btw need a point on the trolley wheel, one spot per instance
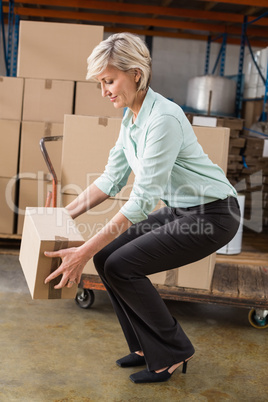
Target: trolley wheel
(259, 322)
(85, 298)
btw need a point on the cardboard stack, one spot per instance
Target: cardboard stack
(51, 59)
(11, 92)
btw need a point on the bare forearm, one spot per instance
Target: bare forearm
(88, 199)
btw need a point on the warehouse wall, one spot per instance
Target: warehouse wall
(175, 61)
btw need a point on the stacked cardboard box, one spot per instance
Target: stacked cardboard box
(51, 58)
(236, 142)
(11, 92)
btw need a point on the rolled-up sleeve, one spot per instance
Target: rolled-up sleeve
(162, 143)
(116, 172)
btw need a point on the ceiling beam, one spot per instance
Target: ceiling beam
(145, 9)
(182, 35)
(128, 20)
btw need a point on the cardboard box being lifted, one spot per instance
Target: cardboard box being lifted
(46, 229)
(54, 50)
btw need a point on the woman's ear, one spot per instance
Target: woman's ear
(137, 74)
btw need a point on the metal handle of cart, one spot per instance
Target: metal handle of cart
(50, 196)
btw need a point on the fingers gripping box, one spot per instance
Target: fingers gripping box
(46, 229)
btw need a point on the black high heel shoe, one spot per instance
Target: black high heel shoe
(146, 376)
(131, 360)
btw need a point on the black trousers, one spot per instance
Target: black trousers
(169, 238)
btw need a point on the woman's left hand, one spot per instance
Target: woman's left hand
(71, 268)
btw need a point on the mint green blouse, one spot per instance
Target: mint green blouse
(169, 164)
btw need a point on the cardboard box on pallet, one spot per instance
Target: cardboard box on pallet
(47, 100)
(89, 101)
(46, 229)
(215, 143)
(31, 158)
(9, 147)
(7, 202)
(87, 142)
(11, 92)
(52, 50)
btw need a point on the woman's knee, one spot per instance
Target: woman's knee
(118, 269)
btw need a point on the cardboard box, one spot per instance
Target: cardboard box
(215, 143)
(87, 142)
(31, 158)
(251, 111)
(32, 193)
(9, 147)
(47, 100)
(197, 275)
(90, 102)
(7, 202)
(54, 50)
(46, 229)
(11, 91)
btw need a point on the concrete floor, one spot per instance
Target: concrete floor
(55, 351)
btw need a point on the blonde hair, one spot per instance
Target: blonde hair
(125, 52)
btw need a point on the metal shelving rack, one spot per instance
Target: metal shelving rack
(221, 54)
(10, 44)
(244, 41)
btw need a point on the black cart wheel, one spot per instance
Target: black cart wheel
(85, 298)
(258, 318)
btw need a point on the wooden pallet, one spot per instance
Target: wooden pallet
(10, 244)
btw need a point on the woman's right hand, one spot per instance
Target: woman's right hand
(73, 262)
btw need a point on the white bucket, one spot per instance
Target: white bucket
(234, 246)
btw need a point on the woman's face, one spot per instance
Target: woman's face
(119, 86)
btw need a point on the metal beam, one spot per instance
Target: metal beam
(144, 9)
(162, 23)
(182, 35)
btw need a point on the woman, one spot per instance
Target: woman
(157, 142)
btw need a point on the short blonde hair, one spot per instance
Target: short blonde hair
(125, 52)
